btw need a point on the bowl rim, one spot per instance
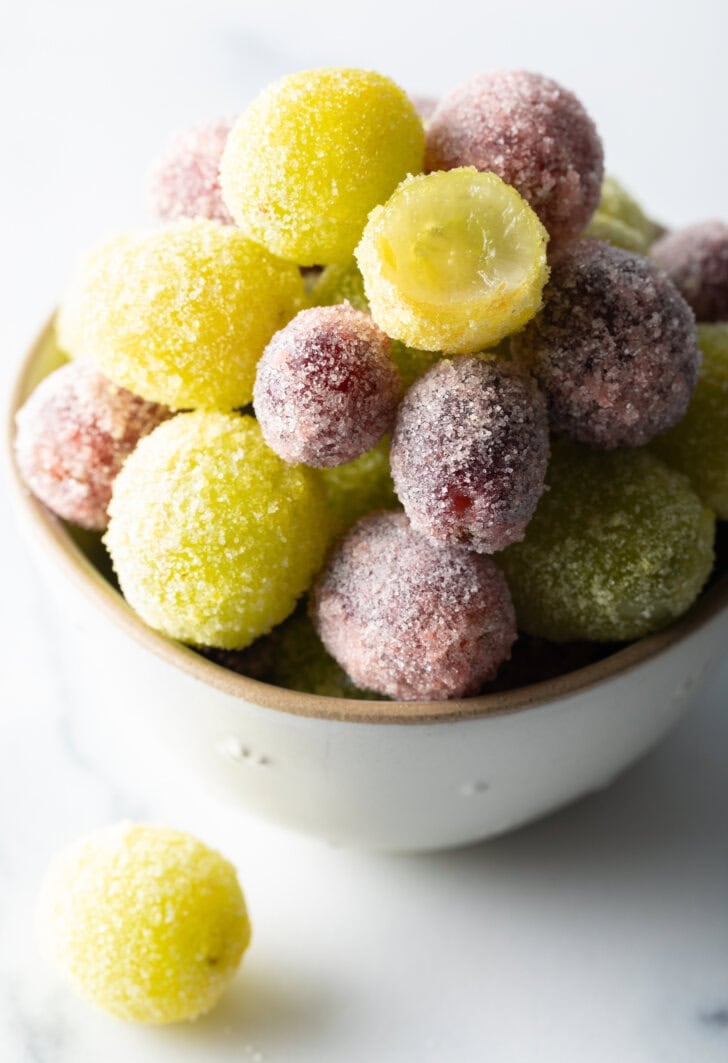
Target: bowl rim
(51, 534)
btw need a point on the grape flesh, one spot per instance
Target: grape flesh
(453, 262)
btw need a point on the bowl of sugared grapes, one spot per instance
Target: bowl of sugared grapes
(381, 476)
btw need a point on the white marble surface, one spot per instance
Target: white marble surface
(600, 934)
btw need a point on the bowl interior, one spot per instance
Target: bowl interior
(85, 562)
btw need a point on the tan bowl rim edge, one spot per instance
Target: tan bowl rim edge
(70, 559)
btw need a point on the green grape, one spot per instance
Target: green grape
(212, 535)
(359, 487)
(621, 221)
(300, 662)
(180, 315)
(311, 156)
(340, 283)
(453, 261)
(698, 445)
(146, 923)
(616, 232)
(620, 545)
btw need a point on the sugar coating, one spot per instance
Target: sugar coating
(293, 657)
(697, 444)
(311, 156)
(453, 261)
(620, 545)
(185, 180)
(469, 453)
(146, 923)
(181, 314)
(326, 389)
(411, 619)
(614, 347)
(617, 204)
(616, 232)
(530, 131)
(212, 535)
(342, 282)
(74, 434)
(696, 260)
(359, 487)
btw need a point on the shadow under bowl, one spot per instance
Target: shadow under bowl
(380, 774)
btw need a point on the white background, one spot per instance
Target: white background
(598, 935)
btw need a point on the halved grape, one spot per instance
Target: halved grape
(453, 261)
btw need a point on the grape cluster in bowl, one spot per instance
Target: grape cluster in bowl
(385, 389)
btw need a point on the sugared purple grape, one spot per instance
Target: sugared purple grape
(185, 179)
(326, 389)
(469, 453)
(614, 347)
(696, 260)
(411, 619)
(73, 435)
(530, 131)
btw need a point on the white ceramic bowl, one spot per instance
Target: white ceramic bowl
(384, 775)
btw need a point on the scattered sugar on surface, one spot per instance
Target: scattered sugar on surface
(411, 619)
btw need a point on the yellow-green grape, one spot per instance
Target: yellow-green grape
(311, 156)
(359, 487)
(698, 445)
(147, 923)
(454, 261)
(340, 283)
(300, 662)
(616, 232)
(620, 545)
(621, 221)
(343, 282)
(181, 314)
(212, 535)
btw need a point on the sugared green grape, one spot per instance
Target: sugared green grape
(616, 202)
(621, 221)
(311, 156)
(359, 487)
(453, 261)
(147, 923)
(616, 232)
(620, 545)
(212, 535)
(300, 662)
(181, 314)
(340, 283)
(698, 445)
